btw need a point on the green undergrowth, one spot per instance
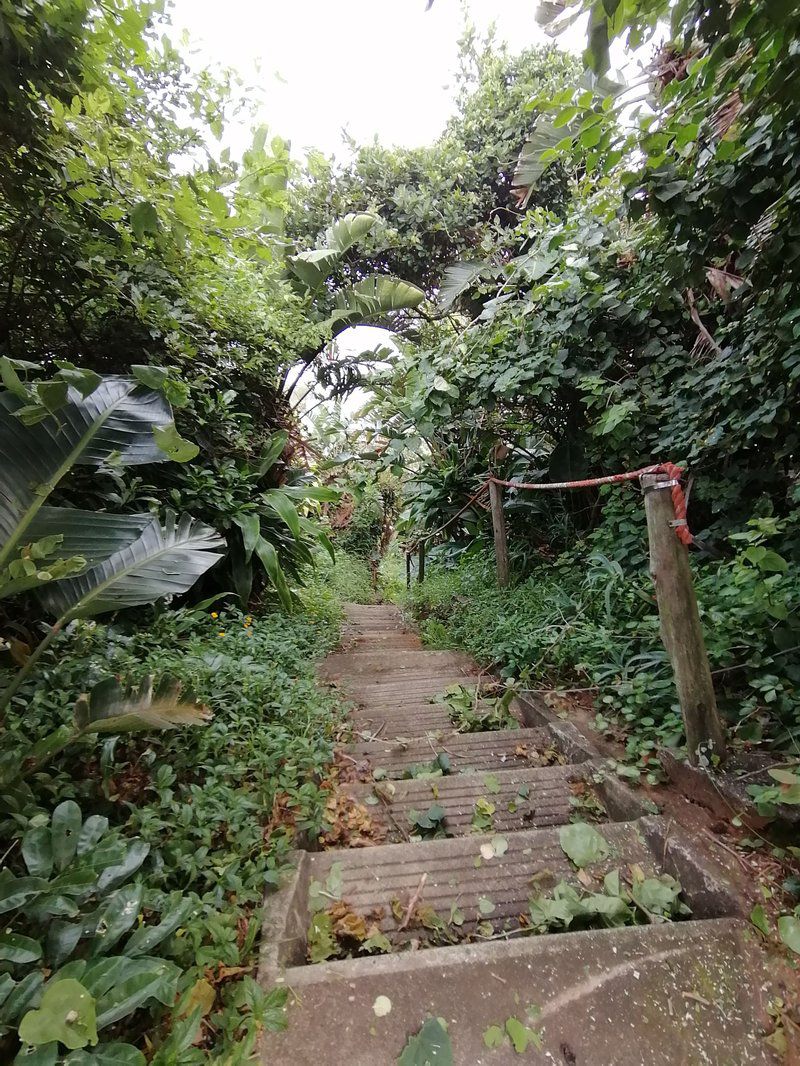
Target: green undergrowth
(348, 580)
(200, 822)
(587, 621)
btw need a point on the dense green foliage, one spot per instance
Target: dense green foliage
(648, 316)
(454, 198)
(210, 814)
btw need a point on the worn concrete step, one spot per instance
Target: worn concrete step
(491, 887)
(501, 801)
(666, 995)
(495, 750)
(399, 718)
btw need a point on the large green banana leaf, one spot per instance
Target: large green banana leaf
(116, 419)
(79, 539)
(314, 266)
(160, 562)
(373, 297)
(347, 231)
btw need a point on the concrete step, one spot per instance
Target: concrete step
(397, 717)
(496, 750)
(519, 798)
(459, 872)
(688, 994)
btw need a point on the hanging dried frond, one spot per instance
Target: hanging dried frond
(704, 339)
(723, 282)
(725, 116)
(669, 65)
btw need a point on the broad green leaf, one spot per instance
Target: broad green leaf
(66, 1014)
(19, 949)
(154, 377)
(15, 892)
(322, 944)
(112, 707)
(521, 1035)
(85, 381)
(273, 451)
(347, 231)
(494, 1036)
(22, 997)
(143, 940)
(280, 503)
(758, 916)
(373, 297)
(115, 917)
(135, 853)
(44, 1055)
(144, 219)
(65, 827)
(250, 525)
(582, 844)
(117, 418)
(459, 278)
(163, 561)
(530, 165)
(269, 559)
(313, 267)
(92, 831)
(145, 979)
(37, 851)
(429, 1047)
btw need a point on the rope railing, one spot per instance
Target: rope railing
(673, 472)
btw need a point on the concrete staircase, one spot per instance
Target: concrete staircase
(455, 907)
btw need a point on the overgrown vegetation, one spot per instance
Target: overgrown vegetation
(605, 285)
(159, 907)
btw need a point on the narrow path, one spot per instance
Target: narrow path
(439, 841)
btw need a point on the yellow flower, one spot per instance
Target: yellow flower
(214, 614)
(221, 633)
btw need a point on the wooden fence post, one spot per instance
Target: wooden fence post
(681, 631)
(421, 566)
(408, 570)
(499, 528)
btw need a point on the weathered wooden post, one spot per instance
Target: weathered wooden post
(421, 563)
(681, 631)
(408, 570)
(499, 529)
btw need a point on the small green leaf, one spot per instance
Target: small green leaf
(172, 444)
(582, 844)
(485, 906)
(758, 916)
(429, 1047)
(321, 941)
(154, 377)
(789, 932)
(494, 1036)
(521, 1035)
(491, 784)
(144, 219)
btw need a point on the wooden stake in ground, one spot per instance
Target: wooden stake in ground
(421, 566)
(681, 631)
(408, 570)
(499, 528)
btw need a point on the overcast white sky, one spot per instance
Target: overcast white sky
(373, 66)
